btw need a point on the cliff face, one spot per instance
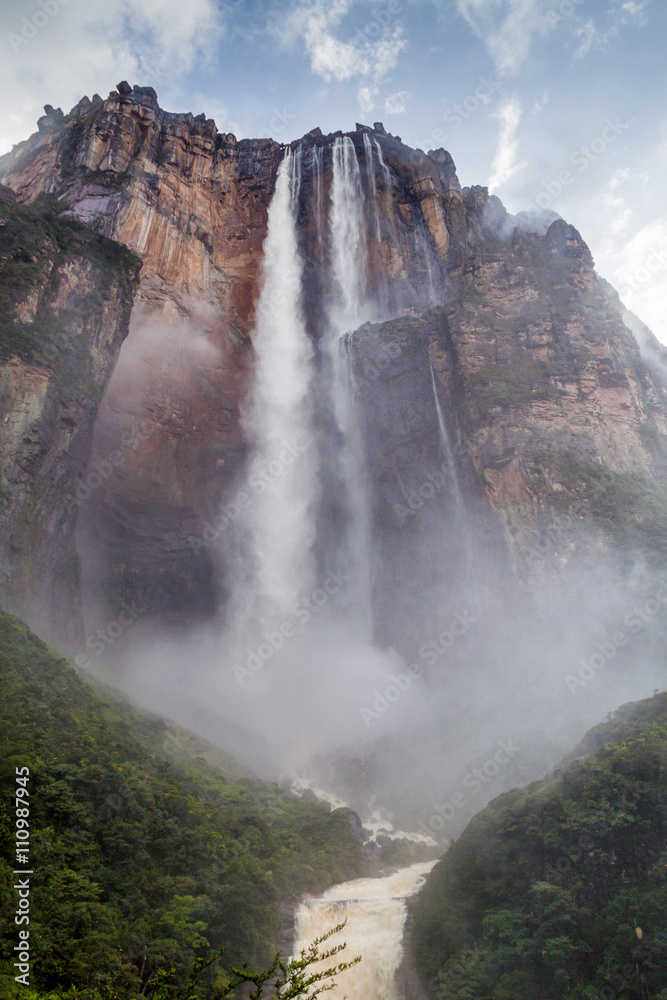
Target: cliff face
(65, 301)
(540, 385)
(546, 402)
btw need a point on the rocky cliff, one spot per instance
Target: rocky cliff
(546, 404)
(65, 301)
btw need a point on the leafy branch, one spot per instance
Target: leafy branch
(284, 980)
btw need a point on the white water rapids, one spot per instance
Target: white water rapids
(375, 910)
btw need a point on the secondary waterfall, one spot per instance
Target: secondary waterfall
(372, 186)
(463, 531)
(375, 911)
(278, 419)
(448, 461)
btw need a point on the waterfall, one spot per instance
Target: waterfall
(375, 911)
(386, 180)
(349, 309)
(316, 168)
(348, 236)
(462, 524)
(372, 186)
(448, 461)
(424, 253)
(278, 419)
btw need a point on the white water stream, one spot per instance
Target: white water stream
(278, 421)
(375, 911)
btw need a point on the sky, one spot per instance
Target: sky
(555, 104)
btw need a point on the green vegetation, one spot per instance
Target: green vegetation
(558, 891)
(631, 507)
(36, 242)
(144, 859)
(521, 381)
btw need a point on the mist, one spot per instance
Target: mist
(469, 677)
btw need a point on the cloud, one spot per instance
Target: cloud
(507, 27)
(620, 15)
(55, 53)
(504, 162)
(397, 104)
(371, 53)
(366, 96)
(640, 271)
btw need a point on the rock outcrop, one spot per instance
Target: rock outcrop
(65, 301)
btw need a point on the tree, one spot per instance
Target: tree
(284, 981)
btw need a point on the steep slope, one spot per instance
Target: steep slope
(65, 301)
(559, 890)
(148, 846)
(556, 422)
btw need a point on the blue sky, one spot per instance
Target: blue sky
(554, 102)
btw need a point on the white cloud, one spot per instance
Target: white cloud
(640, 273)
(397, 104)
(55, 54)
(366, 96)
(507, 27)
(620, 15)
(504, 162)
(368, 54)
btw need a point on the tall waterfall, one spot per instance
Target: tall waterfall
(375, 911)
(278, 419)
(349, 308)
(372, 186)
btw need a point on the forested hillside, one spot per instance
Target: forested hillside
(143, 859)
(558, 891)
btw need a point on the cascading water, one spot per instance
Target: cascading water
(350, 307)
(372, 186)
(386, 179)
(463, 532)
(449, 463)
(316, 168)
(348, 238)
(278, 422)
(375, 911)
